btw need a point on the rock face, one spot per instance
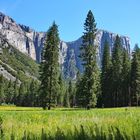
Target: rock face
(71, 50)
(6, 74)
(23, 38)
(31, 43)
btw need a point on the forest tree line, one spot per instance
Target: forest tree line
(115, 83)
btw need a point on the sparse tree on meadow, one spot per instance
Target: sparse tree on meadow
(49, 70)
(90, 78)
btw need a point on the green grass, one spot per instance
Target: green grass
(34, 123)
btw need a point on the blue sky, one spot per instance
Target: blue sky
(118, 16)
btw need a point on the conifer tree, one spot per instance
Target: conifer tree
(116, 72)
(21, 94)
(126, 66)
(2, 96)
(49, 69)
(9, 92)
(78, 86)
(135, 76)
(15, 91)
(90, 77)
(62, 91)
(71, 93)
(105, 76)
(67, 99)
(32, 94)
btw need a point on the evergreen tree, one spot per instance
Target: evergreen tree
(50, 68)
(9, 93)
(79, 97)
(90, 77)
(62, 91)
(67, 99)
(125, 79)
(15, 91)
(116, 72)
(71, 94)
(21, 94)
(135, 76)
(2, 95)
(105, 76)
(32, 93)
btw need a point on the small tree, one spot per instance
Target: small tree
(21, 94)
(2, 95)
(66, 99)
(61, 92)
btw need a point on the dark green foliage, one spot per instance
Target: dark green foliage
(117, 61)
(21, 94)
(16, 90)
(49, 70)
(115, 77)
(66, 99)
(106, 76)
(10, 91)
(32, 94)
(71, 94)
(126, 68)
(135, 76)
(2, 93)
(78, 88)
(90, 78)
(61, 91)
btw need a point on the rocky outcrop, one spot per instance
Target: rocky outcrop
(31, 43)
(71, 61)
(6, 74)
(22, 37)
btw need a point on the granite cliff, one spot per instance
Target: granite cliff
(30, 42)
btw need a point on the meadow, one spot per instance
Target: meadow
(22, 123)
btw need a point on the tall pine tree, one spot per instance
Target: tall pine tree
(90, 77)
(116, 72)
(50, 68)
(135, 76)
(106, 76)
(126, 66)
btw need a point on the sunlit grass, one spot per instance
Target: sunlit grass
(18, 119)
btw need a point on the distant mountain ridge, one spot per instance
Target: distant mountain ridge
(30, 42)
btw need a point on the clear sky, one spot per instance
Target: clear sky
(118, 16)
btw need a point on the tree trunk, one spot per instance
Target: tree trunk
(49, 107)
(129, 98)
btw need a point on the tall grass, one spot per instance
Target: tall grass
(69, 124)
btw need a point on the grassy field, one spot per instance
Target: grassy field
(35, 124)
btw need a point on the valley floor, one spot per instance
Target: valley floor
(63, 123)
